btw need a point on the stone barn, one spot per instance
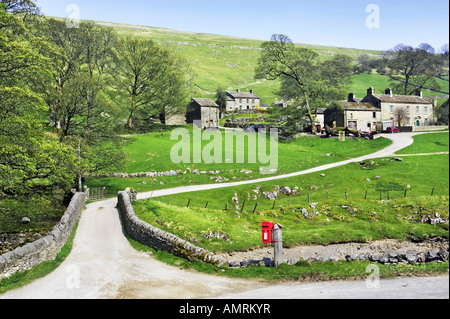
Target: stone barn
(204, 110)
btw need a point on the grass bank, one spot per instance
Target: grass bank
(151, 152)
(428, 143)
(381, 178)
(332, 221)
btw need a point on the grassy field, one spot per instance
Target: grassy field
(151, 152)
(421, 173)
(363, 219)
(428, 143)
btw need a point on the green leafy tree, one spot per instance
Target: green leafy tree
(307, 80)
(77, 93)
(221, 98)
(150, 78)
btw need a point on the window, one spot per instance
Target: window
(426, 109)
(408, 109)
(374, 115)
(392, 109)
(351, 115)
(417, 109)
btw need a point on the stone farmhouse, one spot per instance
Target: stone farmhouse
(379, 111)
(242, 101)
(204, 110)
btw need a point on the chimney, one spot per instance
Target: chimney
(351, 97)
(419, 93)
(370, 91)
(238, 91)
(388, 91)
(251, 91)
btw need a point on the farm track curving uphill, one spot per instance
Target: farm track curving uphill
(103, 265)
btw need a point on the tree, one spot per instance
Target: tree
(364, 62)
(305, 78)
(221, 98)
(413, 68)
(20, 7)
(78, 94)
(150, 78)
(401, 115)
(32, 162)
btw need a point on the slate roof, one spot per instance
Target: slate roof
(241, 95)
(205, 102)
(400, 99)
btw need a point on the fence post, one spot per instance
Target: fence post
(243, 204)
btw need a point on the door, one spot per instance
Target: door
(352, 125)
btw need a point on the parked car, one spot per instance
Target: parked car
(309, 128)
(255, 128)
(366, 131)
(393, 129)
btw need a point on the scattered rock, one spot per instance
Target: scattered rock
(286, 190)
(444, 254)
(270, 195)
(432, 255)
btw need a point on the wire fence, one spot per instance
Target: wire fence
(249, 204)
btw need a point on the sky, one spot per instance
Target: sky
(361, 24)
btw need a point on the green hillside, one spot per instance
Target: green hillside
(221, 61)
(229, 62)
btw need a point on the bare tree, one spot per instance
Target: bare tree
(401, 116)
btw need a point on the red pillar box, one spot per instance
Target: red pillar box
(267, 232)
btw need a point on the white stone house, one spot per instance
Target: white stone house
(409, 110)
(379, 111)
(242, 101)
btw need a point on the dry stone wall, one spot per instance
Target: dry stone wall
(157, 238)
(46, 248)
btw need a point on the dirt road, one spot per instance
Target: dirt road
(103, 265)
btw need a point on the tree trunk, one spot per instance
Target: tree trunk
(130, 120)
(133, 108)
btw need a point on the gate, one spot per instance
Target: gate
(97, 193)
